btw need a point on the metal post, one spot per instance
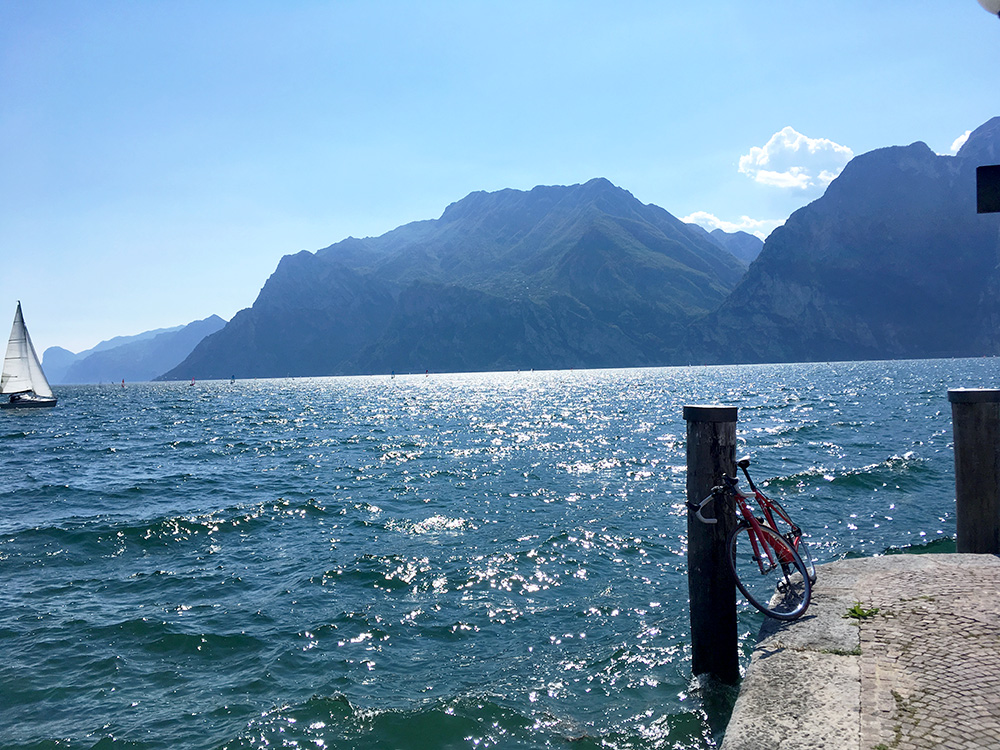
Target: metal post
(975, 416)
(711, 452)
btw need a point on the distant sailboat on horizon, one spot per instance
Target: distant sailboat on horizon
(23, 379)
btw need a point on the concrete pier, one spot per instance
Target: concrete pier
(922, 672)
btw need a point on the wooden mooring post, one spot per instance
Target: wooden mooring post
(975, 416)
(711, 452)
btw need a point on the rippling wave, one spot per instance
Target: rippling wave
(459, 561)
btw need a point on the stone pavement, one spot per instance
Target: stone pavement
(922, 672)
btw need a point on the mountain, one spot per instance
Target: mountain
(746, 247)
(134, 358)
(56, 361)
(577, 276)
(891, 262)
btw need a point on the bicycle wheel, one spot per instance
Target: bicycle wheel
(769, 572)
(782, 523)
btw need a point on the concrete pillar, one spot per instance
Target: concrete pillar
(975, 416)
(711, 452)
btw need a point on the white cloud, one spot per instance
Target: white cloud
(960, 141)
(758, 227)
(792, 160)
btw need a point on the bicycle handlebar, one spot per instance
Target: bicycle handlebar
(729, 485)
(696, 508)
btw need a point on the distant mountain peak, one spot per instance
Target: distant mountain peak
(481, 200)
(599, 185)
(607, 194)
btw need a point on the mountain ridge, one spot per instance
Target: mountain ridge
(562, 254)
(134, 358)
(891, 261)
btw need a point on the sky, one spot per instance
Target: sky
(157, 159)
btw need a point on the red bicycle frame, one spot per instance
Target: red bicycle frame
(744, 510)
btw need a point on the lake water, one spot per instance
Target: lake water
(442, 561)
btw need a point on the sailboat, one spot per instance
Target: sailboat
(23, 379)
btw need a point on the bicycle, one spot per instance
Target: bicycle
(767, 566)
(778, 519)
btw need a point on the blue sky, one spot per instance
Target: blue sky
(158, 158)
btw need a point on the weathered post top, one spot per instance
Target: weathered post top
(974, 395)
(709, 413)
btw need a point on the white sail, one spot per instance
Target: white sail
(21, 369)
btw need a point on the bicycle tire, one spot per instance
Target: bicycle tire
(783, 589)
(782, 523)
(802, 548)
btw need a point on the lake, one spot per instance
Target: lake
(419, 561)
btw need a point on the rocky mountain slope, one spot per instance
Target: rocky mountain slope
(891, 262)
(579, 276)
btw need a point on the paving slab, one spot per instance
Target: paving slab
(921, 672)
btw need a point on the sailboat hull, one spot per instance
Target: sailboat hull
(29, 402)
